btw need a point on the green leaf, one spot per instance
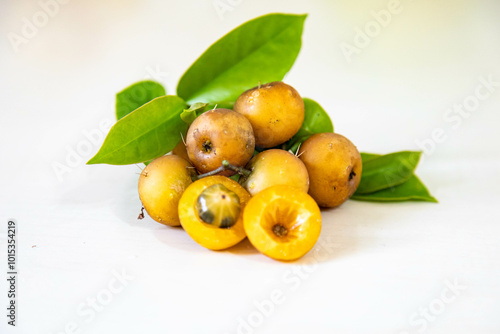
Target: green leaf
(387, 171)
(221, 104)
(146, 133)
(136, 95)
(263, 49)
(190, 114)
(411, 190)
(368, 156)
(316, 120)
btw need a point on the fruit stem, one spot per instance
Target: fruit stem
(240, 170)
(225, 166)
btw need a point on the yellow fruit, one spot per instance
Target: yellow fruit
(282, 222)
(180, 150)
(217, 135)
(273, 167)
(210, 235)
(334, 167)
(275, 110)
(161, 185)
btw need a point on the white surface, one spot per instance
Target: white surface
(377, 264)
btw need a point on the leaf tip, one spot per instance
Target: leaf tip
(433, 199)
(96, 159)
(91, 161)
(302, 18)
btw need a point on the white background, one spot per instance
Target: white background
(377, 267)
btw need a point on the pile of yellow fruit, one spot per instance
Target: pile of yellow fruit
(276, 201)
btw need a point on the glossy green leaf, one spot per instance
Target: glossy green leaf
(137, 95)
(146, 133)
(261, 50)
(387, 171)
(221, 104)
(368, 156)
(190, 114)
(316, 120)
(411, 190)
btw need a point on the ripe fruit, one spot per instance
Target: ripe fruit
(217, 135)
(180, 150)
(275, 110)
(273, 167)
(216, 209)
(334, 167)
(282, 222)
(161, 185)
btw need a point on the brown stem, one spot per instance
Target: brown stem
(225, 166)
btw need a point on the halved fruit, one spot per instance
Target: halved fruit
(211, 212)
(282, 222)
